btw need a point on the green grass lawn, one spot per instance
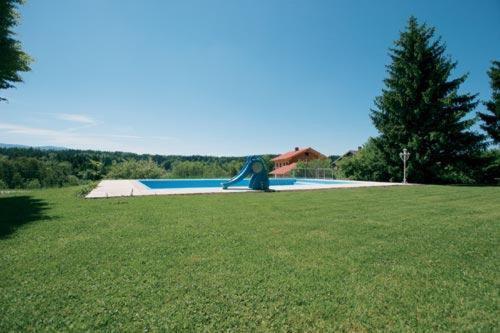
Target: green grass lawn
(418, 258)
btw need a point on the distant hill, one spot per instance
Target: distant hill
(9, 145)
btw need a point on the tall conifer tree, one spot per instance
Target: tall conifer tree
(491, 118)
(422, 110)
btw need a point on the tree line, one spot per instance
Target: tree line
(35, 168)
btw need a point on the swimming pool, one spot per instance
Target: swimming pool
(210, 183)
(137, 187)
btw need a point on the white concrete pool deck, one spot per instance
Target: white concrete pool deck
(131, 187)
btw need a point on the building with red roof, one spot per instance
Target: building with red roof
(285, 163)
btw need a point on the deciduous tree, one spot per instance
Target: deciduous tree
(13, 59)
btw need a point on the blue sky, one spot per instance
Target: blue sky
(223, 77)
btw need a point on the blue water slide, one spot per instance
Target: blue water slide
(255, 167)
(244, 172)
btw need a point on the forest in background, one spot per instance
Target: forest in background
(37, 168)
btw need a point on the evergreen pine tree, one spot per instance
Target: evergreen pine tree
(491, 118)
(421, 109)
(12, 58)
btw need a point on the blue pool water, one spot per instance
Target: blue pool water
(197, 183)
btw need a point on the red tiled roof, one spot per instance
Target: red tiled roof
(284, 169)
(289, 154)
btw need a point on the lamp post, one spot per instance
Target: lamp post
(405, 155)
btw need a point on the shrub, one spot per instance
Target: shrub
(32, 184)
(490, 172)
(85, 189)
(131, 169)
(367, 164)
(73, 180)
(197, 169)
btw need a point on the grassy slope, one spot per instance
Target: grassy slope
(417, 258)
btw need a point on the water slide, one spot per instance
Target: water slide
(255, 167)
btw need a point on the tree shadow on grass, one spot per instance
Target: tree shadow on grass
(19, 210)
